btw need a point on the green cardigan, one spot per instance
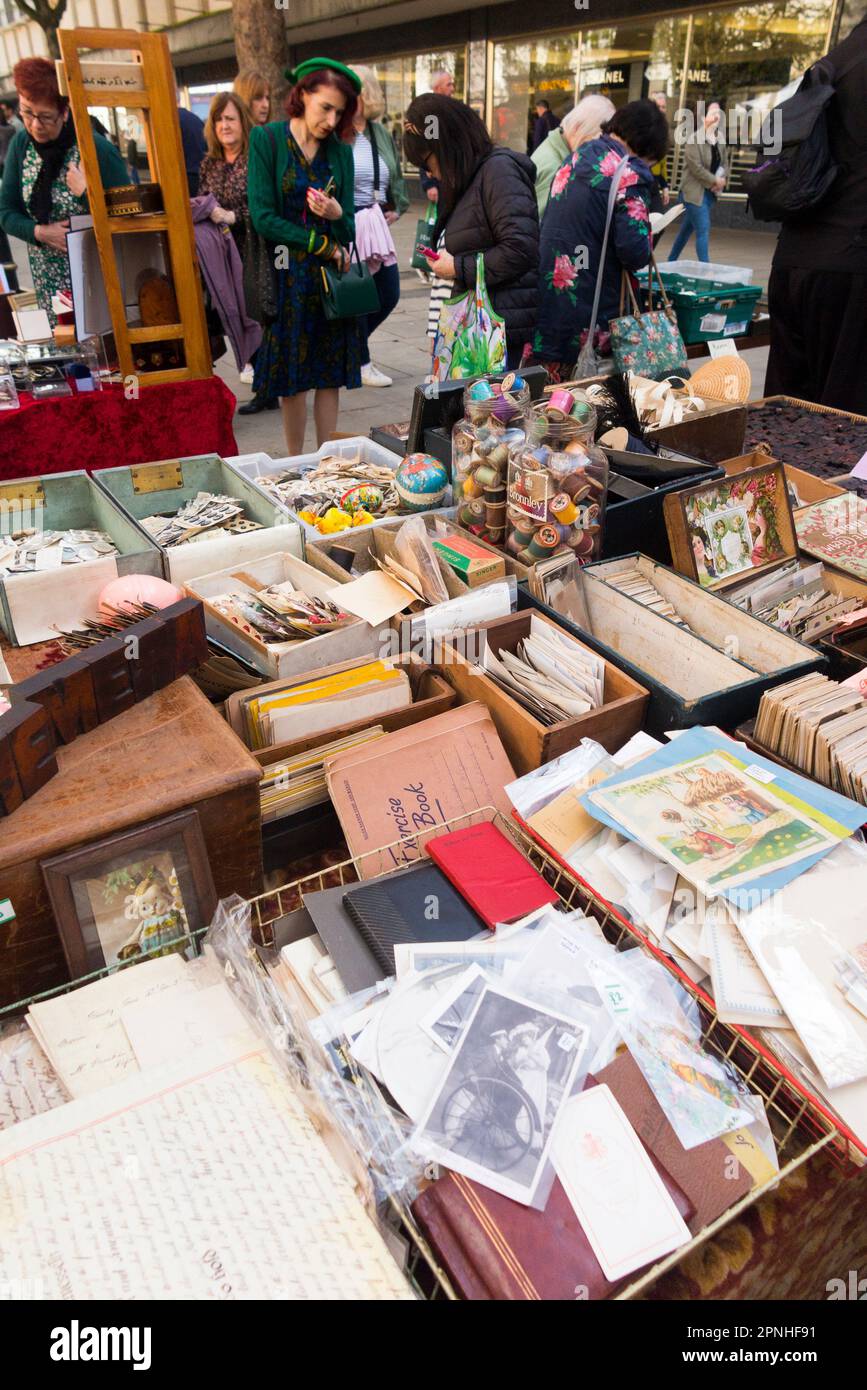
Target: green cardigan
(547, 159)
(267, 162)
(396, 181)
(14, 216)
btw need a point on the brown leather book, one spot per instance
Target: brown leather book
(495, 1249)
(712, 1181)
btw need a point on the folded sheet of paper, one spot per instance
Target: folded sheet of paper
(82, 1033)
(169, 1026)
(187, 1219)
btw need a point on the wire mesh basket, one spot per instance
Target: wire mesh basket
(801, 1126)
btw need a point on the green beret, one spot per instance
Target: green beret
(309, 65)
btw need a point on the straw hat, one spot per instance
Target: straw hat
(724, 379)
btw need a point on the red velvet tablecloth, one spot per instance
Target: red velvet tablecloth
(102, 429)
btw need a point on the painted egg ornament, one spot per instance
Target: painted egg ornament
(362, 497)
(421, 482)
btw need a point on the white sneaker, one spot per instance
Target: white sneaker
(372, 376)
(246, 377)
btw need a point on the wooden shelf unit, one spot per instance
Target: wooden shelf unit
(157, 102)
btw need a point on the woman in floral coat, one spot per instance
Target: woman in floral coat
(574, 226)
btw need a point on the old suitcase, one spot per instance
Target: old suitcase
(170, 753)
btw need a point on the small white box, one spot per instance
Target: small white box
(277, 660)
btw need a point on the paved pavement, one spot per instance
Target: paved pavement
(401, 347)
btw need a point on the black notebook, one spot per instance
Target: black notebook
(417, 906)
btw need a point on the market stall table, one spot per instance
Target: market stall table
(103, 429)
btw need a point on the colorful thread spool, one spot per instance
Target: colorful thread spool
(560, 401)
(564, 509)
(472, 513)
(481, 391)
(524, 531)
(486, 475)
(545, 540)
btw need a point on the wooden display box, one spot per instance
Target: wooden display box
(172, 752)
(714, 434)
(29, 607)
(693, 515)
(690, 677)
(807, 487)
(280, 659)
(157, 489)
(430, 695)
(528, 742)
(379, 540)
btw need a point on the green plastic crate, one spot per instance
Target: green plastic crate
(709, 309)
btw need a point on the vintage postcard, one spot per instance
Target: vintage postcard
(716, 824)
(836, 531)
(616, 1192)
(492, 1116)
(735, 526)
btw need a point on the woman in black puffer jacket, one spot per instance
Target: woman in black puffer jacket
(486, 203)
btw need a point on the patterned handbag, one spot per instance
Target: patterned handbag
(648, 344)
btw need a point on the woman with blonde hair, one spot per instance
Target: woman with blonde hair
(584, 122)
(380, 199)
(254, 89)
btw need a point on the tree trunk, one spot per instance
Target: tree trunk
(260, 41)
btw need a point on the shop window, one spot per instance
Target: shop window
(523, 72)
(745, 58)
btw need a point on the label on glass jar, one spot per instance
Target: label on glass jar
(530, 490)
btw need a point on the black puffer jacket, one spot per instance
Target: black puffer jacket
(498, 215)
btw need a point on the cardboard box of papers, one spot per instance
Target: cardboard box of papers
(172, 752)
(279, 658)
(430, 695)
(702, 660)
(59, 592)
(149, 490)
(530, 737)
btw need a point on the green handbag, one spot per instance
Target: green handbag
(348, 294)
(424, 237)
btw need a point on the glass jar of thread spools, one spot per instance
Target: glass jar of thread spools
(558, 483)
(495, 418)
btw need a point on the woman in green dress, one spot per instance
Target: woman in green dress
(300, 191)
(43, 184)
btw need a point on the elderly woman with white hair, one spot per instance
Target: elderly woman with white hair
(582, 123)
(380, 199)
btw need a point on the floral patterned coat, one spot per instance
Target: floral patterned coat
(571, 243)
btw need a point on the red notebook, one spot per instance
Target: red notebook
(490, 873)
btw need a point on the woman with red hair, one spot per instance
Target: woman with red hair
(300, 190)
(43, 185)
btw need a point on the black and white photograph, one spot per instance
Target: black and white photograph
(450, 1015)
(494, 1112)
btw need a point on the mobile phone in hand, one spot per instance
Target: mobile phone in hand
(428, 254)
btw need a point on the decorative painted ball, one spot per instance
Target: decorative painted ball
(363, 497)
(421, 482)
(138, 588)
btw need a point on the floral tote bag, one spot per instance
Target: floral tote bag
(471, 338)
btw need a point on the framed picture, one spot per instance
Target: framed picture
(138, 893)
(724, 532)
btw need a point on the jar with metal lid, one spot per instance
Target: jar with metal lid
(494, 422)
(558, 483)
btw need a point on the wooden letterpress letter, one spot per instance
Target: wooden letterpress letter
(111, 674)
(187, 619)
(32, 741)
(11, 793)
(150, 650)
(65, 691)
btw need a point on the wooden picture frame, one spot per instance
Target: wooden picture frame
(732, 529)
(99, 891)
